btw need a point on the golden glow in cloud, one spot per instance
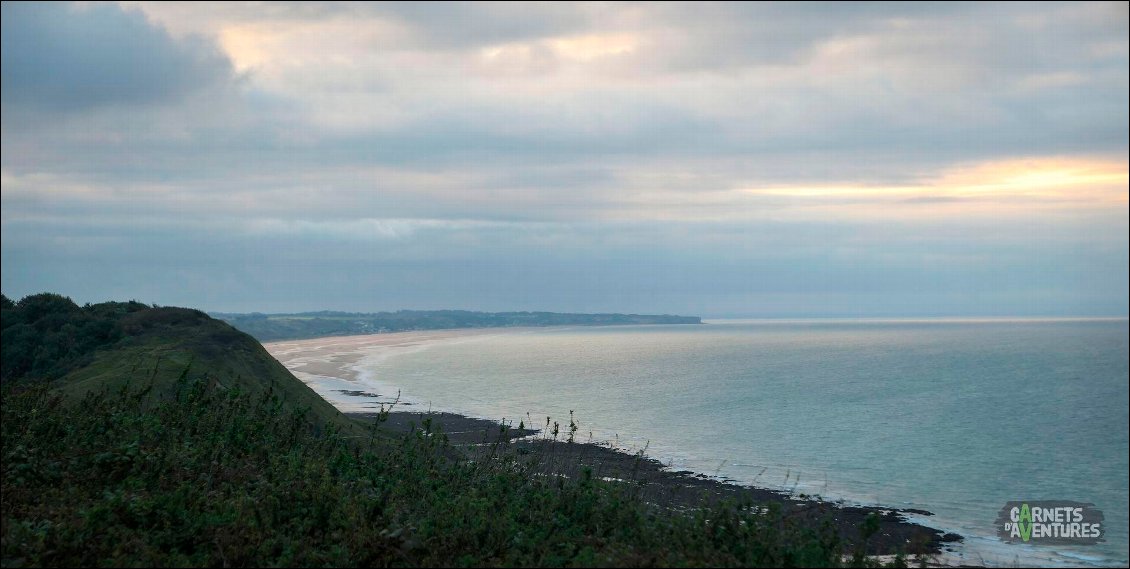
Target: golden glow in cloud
(1085, 182)
(340, 44)
(244, 46)
(990, 190)
(580, 49)
(589, 47)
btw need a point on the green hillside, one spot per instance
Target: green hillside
(86, 349)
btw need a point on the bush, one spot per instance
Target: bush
(218, 478)
(46, 335)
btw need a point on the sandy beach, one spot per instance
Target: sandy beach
(335, 356)
(330, 365)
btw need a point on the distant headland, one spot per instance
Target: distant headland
(268, 327)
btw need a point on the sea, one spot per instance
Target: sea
(953, 416)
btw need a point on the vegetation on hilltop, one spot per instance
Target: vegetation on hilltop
(82, 349)
(47, 335)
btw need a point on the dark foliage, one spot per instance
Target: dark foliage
(46, 335)
(216, 477)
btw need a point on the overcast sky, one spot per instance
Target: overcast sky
(716, 160)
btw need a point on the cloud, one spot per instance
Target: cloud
(461, 25)
(62, 57)
(985, 266)
(669, 153)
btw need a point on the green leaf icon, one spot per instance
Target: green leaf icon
(1025, 522)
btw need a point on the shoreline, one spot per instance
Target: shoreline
(678, 489)
(329, 364)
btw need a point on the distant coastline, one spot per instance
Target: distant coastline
(306, 325)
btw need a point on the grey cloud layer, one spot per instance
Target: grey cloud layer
(65, 58)
(489, 137)
(892, 100)
(773, 270)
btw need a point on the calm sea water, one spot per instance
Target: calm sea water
(952, 416)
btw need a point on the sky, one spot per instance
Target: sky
(747, 160)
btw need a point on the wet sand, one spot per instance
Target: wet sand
(328, 366)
